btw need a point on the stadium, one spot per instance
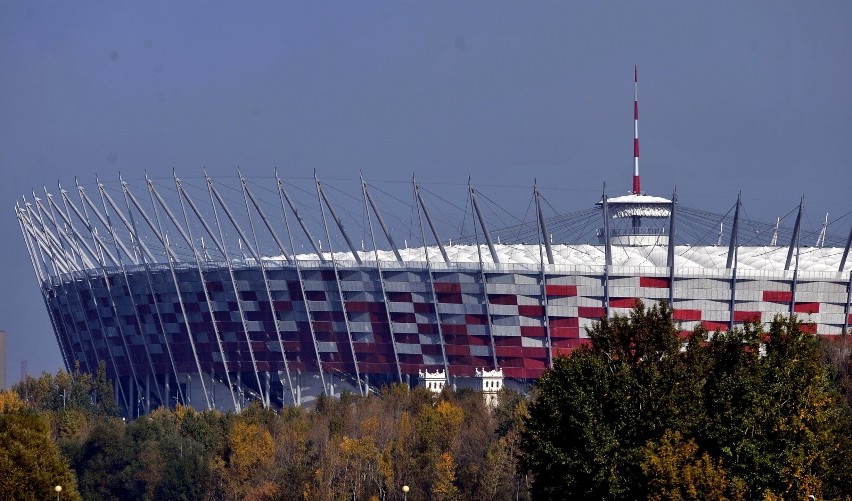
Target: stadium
(216, 294)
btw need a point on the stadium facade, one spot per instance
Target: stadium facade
(178, 320)
(188, 299)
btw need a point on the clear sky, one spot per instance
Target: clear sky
(733, 95)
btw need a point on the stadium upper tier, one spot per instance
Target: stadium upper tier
(213, 294)
(822, 259)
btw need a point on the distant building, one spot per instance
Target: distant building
(2, 360)
(433, 381)
(491, 382)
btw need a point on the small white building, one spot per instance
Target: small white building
(490, 384)
(433, 381)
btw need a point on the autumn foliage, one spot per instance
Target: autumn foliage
(444, 447)
(761, 412)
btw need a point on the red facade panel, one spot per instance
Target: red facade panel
(451, 330)
(449, 297)
(471, 319)
(807, 308)
(414, 367)
(431, 349)
(424, 308)
(778, 296)
(533, 331)
(564, 332)
(365, 306)
(563, 351)
(686, 315)
(282, 305)
(507, 341)
(399, 297)
(514, 372)
(810, 328)
(403, 318)
(503, 299)
(479, 340)
(447, 287)
(746, 316)
(505, 362)
(655, 282)
(714, 326)
(623, 302)
(468, 369)
(532, 353)
(509, 351)
(427, 329)
(407, 338)
(561, 290)
(455, 350)
(564, 322)
(591, 312)
(531, 310)
(378, 368)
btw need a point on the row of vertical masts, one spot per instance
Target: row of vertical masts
(63, 252)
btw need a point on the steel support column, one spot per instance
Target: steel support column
(132, 299)
(154, 194)
(435, 303)
(670, 261)
(321, 196)
(607, 250)
(421, 205)
(212, 190)
(385, 302)
(261, 263)
(282, 195)
(156, 304)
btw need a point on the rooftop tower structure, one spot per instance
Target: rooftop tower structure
(637, 205)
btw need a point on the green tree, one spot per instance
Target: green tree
(760, 406)
(105, 463)
(30, 463)
(103, 393)
(596, 409)
(774, 414)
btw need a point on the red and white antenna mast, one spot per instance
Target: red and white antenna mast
(636, 188)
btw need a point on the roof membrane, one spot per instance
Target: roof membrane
(765, 258)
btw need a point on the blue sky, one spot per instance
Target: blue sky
(746, 95)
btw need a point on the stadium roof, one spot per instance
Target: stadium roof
(764, 258)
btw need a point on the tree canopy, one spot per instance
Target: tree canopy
(643, 412)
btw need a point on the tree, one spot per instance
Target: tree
(596, 409)
(104, 465)
(758, 405)
(676, 472)
(774, 414)
(30, 461)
